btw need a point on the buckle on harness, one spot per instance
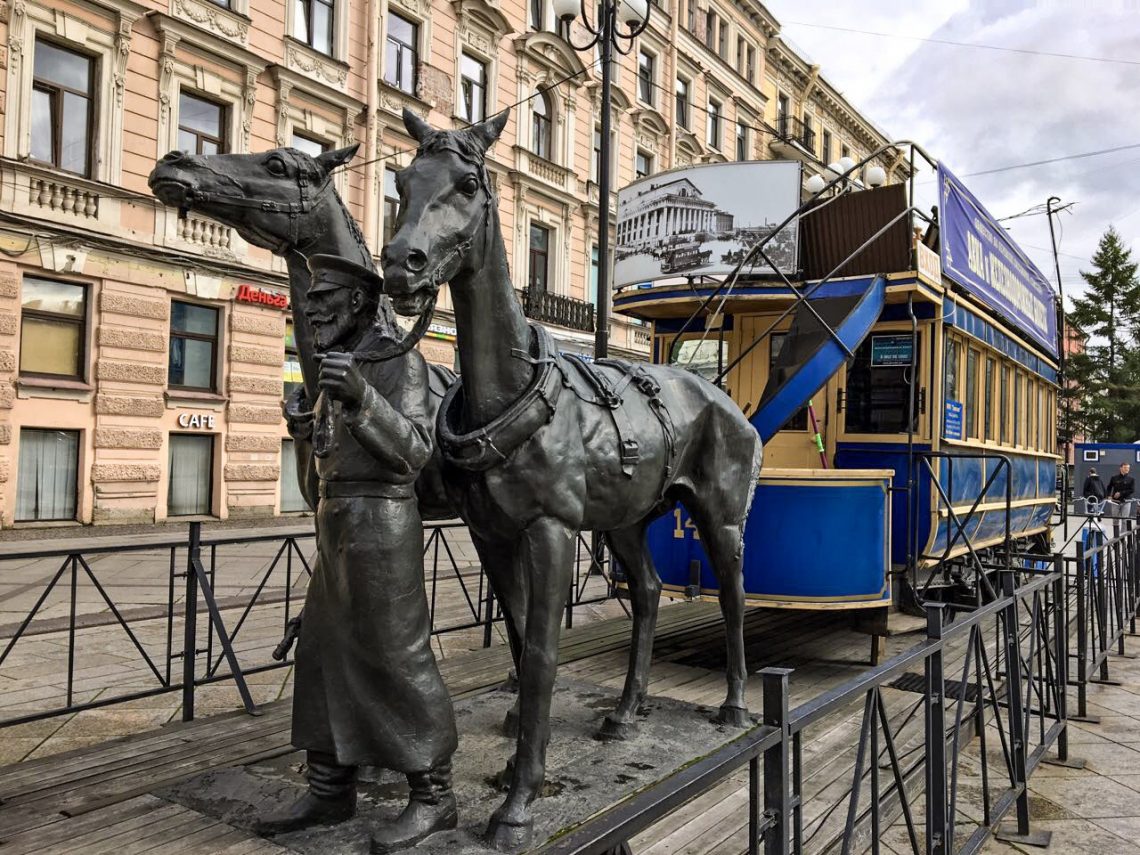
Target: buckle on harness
(645, 384)
(630, 452)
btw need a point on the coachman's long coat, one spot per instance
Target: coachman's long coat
(368, 689)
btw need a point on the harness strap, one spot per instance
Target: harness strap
(492, 444)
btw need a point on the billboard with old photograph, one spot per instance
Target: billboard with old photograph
(701, 220)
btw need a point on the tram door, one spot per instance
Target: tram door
(794, 446)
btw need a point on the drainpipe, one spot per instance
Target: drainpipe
(371, 146)
(670, 92)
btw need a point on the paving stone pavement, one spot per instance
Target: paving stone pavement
(139, 583)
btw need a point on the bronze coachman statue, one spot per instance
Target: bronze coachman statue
(368, 689)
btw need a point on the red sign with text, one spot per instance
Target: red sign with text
(261, 297)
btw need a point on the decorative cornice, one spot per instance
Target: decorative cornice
(315, 65)
(213, 18)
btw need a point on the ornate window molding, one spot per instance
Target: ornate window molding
(544, 61)
(392, 99)
(311, 56)
(314, 65)
(231, 24)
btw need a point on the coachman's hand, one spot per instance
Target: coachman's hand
(341, 380)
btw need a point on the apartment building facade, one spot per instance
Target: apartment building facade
(144, 354)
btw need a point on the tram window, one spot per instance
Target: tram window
(776, 343)
(951, 370)
(1030, 412)
(988, 412)
(1017, 408)
(970, 405)
(1041, 395)
(1003, 406)
(705, 358)
(878, 394)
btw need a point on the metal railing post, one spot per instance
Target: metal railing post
(777, 772)
(190, 616)
(934, 702)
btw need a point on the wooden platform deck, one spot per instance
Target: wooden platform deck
(101, 799)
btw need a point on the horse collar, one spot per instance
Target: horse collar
(492, 444)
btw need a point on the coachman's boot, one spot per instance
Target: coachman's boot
(431, 808)
(331, 798)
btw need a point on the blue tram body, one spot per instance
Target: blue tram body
(935, 413)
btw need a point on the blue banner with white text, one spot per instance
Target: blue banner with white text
(979, 255)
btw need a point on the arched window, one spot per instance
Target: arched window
(540, 124)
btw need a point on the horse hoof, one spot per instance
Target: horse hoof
(615, 730)
(733, 716)
(511, 724)
(509, 836)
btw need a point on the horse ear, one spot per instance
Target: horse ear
(488, 131)
(417, 127)
(330, 160)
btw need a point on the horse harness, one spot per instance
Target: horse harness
(487, 447)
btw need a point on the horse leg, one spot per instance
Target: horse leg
(498, 559)
(546, 556)
(628, 545)
(724, 544)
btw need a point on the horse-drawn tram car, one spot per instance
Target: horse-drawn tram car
(900, 369)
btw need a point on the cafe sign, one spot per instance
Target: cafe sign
(200, 421)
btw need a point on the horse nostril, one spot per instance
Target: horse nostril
(173, 156)
(416, 261)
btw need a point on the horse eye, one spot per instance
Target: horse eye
(276, 166)
(469, 185)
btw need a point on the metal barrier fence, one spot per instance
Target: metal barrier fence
(1011, 693)
(221, 646)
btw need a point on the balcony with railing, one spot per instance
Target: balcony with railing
(558, 309)
(793, 138)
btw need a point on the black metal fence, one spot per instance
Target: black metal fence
(1003, 711)
(197, 637)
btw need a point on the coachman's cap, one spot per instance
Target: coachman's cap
(330, 272)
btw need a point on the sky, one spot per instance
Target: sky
(977, 109)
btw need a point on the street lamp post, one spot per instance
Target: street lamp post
(618, 23)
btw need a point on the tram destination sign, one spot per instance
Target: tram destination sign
(979, 255)
(702, 220)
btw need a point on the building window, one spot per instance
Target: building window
(682, 117)
(740, 54)
(201, 125)
(62, 114)
(400, 63)
(593, 295)
(193, 346)
(313, 24)
(741, 141)
(750, 65)
(722, 40)
(291, 372)
(292, 499)
(809, 134)
(643, 165)
(391, 204)
(596, 154)
(825, 151)
(473, 88)
(53, 328)
(844, 151)
(191, 474)
(308, 145)
(47, 480)
(782, 109)
(714, 124)
(540, 124)
(691, 19)
(645, 76)
(710, 29)
(538, 274)
(537, 14)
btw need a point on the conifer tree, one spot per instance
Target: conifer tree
(1105, 375)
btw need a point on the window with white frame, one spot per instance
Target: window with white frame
(541, 128)
(825, 146)
(402, 53)
(191, 471)
(63, 114)
(646, 76)
(472, 88)
(53, 329)
(538, 259)
(313, 24)
(742, 151)
(714, 116)
(536, 11)
(292, 500)
(311, 146)
(682, 110)
(643, 164)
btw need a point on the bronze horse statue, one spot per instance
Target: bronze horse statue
(284, 201)
(538, 447)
